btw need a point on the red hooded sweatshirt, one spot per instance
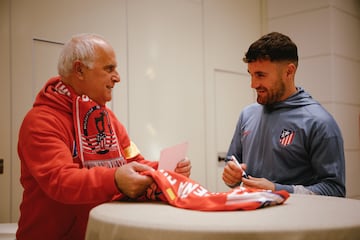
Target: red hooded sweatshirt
(58, 191)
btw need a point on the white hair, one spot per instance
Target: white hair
(80, 48)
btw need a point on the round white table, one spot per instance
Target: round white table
(300, 217)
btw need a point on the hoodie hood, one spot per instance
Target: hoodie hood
(53, 96)
(299, 99)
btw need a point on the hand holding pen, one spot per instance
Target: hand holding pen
(244, 174)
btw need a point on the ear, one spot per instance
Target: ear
(291, 69)
(78, 69)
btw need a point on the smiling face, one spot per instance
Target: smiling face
(98, 81)
(273, 81)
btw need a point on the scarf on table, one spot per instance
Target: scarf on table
(96, 143)
(180, 191)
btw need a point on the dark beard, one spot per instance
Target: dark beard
(274, 96)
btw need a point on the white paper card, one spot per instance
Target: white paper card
(169, 157)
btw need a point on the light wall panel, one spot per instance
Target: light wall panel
(309, 30)
(313, 74)
(282, 8)
(166, 98)
(345, 36)
(230, 26)
(5, 100)
(346, 81)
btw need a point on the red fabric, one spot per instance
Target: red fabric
(182, 192)
(58, 191)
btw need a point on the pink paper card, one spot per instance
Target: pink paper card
(169, 157)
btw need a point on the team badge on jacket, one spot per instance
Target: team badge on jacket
(286, 137)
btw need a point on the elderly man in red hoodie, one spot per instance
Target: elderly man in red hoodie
(74, 152)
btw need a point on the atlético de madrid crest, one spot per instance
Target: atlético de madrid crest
(286, 137)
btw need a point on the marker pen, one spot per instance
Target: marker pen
(244, 174)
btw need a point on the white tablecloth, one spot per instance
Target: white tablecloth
(301, 217)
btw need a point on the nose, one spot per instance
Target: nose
(116, 77)
(254, 83)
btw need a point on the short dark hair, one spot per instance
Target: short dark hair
(275, 47)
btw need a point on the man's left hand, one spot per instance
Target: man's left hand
(184, 167)
(261, 183)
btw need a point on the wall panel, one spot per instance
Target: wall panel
(230, 26)
(166, 101)
(5, 126)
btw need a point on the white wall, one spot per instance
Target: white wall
(5, 123)
(327, 33)
(165, 59)
(227, 35)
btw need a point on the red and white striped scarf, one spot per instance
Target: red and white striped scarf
(96, 141)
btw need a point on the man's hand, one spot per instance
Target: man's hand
(129, 180)
(232, 174)
(261, 183)
(184, 167)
